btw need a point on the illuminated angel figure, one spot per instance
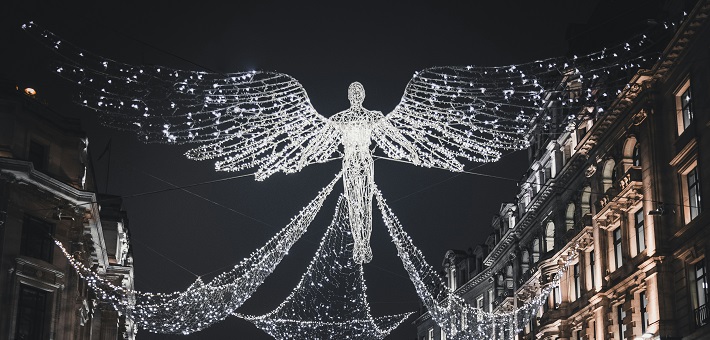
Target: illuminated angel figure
(265, 120)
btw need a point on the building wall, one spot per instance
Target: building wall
(588, 189)
(46, 189)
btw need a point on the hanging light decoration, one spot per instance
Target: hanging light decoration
(264, 120)
(330, 301)
(203, 303)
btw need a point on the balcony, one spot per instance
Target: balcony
(701, 315)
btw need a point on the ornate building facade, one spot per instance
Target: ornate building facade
(622, 195)
(47, 194)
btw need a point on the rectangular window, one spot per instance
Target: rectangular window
(640, 231)
(618, 260)
(38, 155)
(644, 312)
(490, 300)
(620, 316)
(430, 333)
(701, 294)
(556, 297)
(591, 268)
(577, 282)
(442, 335)
(578, 334)
(32, 314)
(693, 182)
(684, 107)
(36, 239)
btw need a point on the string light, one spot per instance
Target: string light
(203, 303)
(330, 301)
(458, 318)
(265, 120)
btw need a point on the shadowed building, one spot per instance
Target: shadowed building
(47, 194)
(626, 186)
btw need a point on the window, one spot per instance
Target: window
(620, 316)
(38, 155)
(577, 282)
(549, 236)
(693, 184)
(643, 301)
(636, 156)
(701, 293)
(32, 314)
(36, 239)
(578, 334)
(479, 305)
(569, 216)
(591, 268)
(684, 107)
(536, 250)
(443, 334)
(490, 300)
(618, 260)
(430, 333)
(640, 231)
(556, 297)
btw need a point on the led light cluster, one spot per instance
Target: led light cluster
(203, 303)
(265, 120)
(330, 301)
(458, 318)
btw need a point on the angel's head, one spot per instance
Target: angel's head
(356, 94)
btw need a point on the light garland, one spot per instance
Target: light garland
(203, 304)
(330, 301)
(265, 120)
(458, 318)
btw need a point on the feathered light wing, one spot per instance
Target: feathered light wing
(254, 119)
(451, 114)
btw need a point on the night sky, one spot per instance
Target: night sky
(177, 235)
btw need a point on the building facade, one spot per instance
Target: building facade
(47, 194)
(621, 194)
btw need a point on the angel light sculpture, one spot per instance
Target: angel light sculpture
(265, 120)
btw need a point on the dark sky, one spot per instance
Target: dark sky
(326, 46)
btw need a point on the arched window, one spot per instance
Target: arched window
(549, 236)
(608, 175)
(525, 261)
(569, 216)
(586, 200)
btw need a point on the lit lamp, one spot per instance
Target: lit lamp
(30, 91)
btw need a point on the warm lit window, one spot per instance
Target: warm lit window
(684, 107)
(36, 239)
(643, 301)
(32, 313)
(640, 231)
(618, 259)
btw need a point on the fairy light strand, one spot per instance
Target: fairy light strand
(330, 300)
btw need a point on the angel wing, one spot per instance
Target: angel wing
(450, 114)
(254, 119)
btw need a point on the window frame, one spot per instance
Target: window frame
(640, 230)
(617, 243)
(30, 237)
(684, 110)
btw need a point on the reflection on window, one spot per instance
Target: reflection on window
(694, 201)
(618, 260)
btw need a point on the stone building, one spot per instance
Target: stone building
(47, 194)
(626, 186)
